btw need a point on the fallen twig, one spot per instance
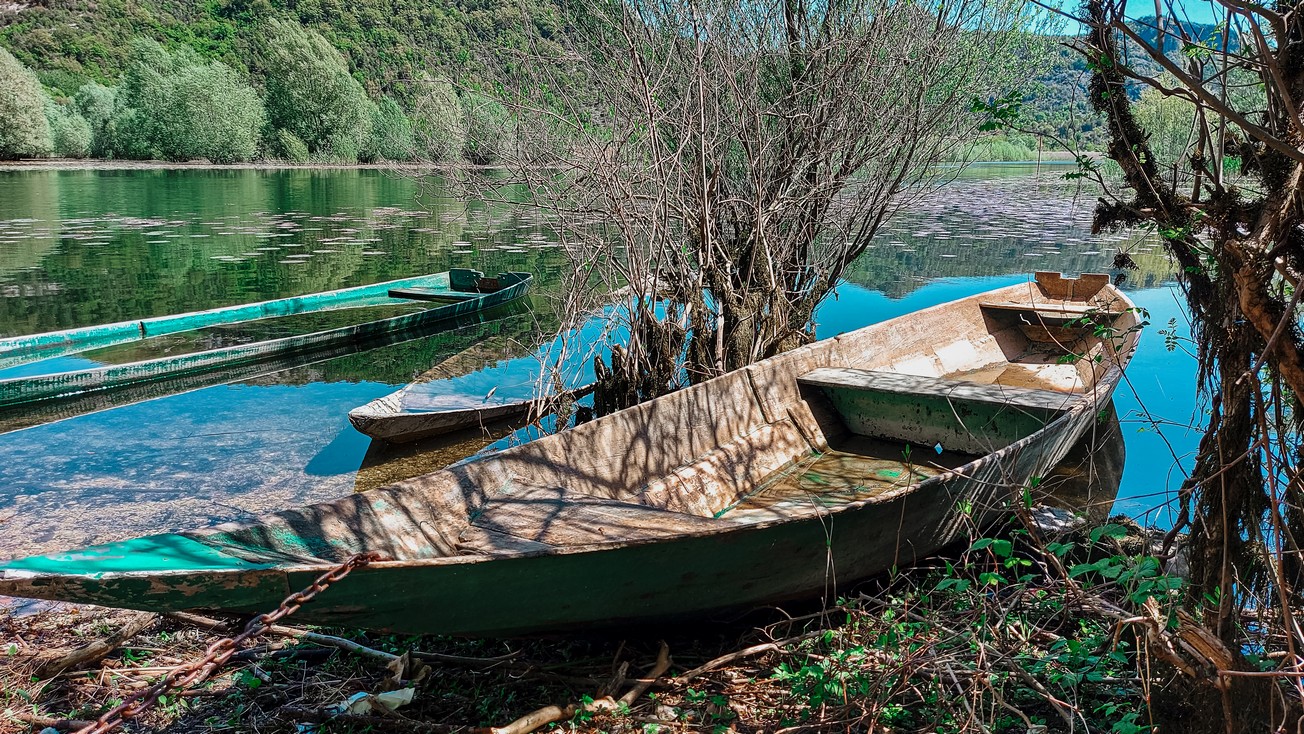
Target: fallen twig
(775, 646)
(550, 714)
(199, 620)
(466, 660)
(94, 651)
(47, 722)
(331, 641)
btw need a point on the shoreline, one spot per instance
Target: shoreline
(94, 164)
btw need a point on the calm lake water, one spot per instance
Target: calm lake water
(87, 247)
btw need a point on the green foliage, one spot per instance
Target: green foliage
(438, 124)
(97, 103)
(24, 130)
(1001, 627)
(489, 130)
(311, 93)
(178, 107)
(70, 133)
(391, 134)
(288, 147)
(999, 148)
(1169, 121)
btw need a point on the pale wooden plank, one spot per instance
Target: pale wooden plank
(893, 382)
(1056, 310)
(483, 542)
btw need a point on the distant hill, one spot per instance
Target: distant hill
(1057, 101)
(387, 42)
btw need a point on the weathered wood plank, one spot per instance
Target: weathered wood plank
(959, 390)
(431, 294)
(1048, 310)
(547, 516)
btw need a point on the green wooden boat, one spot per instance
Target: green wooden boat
(27, 348)
(821, 466)
(451, 333)
(463, 288)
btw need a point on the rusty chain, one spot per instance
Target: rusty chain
(218, 653)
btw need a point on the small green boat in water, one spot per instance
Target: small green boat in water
(821, 466)
(459, 292)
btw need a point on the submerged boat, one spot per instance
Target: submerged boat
(507, 378)
(462, 292)
(821, 466)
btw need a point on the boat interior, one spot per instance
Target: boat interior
(464, 285)
(862, 416)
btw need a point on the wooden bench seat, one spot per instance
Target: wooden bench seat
(1069, 311)
(967, 417)
(894, 382)
(431, 294)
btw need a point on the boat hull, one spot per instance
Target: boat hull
(731, 569)
(18, 350)
(664, 511)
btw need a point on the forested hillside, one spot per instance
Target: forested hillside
(396, 72)
(388, 44)
(237, 80)
(1056, 100)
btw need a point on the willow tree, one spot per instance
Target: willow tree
(729, 158)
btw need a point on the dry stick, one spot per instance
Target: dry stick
(199, 620)
(551, 714)
(97, 650)
(47, 722)
(775, 646)
(331, 641)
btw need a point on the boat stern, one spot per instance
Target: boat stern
(160, 573)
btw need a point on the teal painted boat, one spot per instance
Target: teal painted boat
(818, 467)
(18, 350)
(465, 293)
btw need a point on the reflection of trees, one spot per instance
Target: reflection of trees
(399, 364)
(130, 278)
(33, 195)
(898, 273)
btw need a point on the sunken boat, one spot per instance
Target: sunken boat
(457, 293)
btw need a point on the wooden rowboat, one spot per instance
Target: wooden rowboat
(832, 462)
(500, 379)
(17, 350)
(77, 383)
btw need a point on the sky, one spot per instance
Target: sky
(1195, 11)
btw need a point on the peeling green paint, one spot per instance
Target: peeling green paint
(170, 552)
